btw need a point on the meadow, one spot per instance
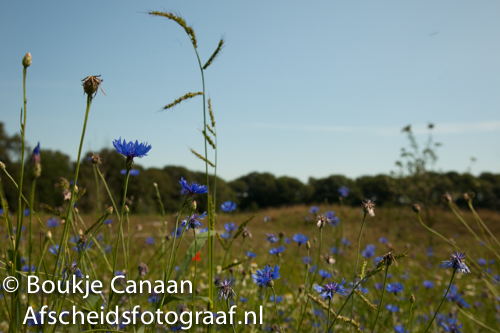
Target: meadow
(321, 268)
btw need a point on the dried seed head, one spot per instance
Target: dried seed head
(246, 233)
(96, 159)
(281, 234)
(143, 269)
(416, 208)
(27, 60)
(91, 84)
(330, 260)
(138, 227)
(368, 206)
(321, 221)
(389, 259)
(448, 198)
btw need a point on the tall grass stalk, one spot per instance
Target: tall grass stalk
(444, 297)
(381, 298)
(357, 260)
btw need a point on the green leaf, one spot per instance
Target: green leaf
(191, 252)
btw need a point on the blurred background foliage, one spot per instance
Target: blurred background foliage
(415, 181)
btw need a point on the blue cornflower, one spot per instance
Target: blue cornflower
(369, 251)
(230, 227)
(376, 260)
(26, 212)
(481, 261)
(266, 219)
(314, 209)
(456, 297)
(69, 270)
(243, 299)
(392, 308)
(26, 268)
(334, 221)
(452, 326)
(306, 260)
(344, 191)
(178, 233)
(52, 222)
(395, 288)
(202, 230)
(251, 254)
(150, 240)
(264, 276)
(272, 238)
(225, 289)
(287, 240)
(131, 149)
(300, 239)
(334, 250)
(277, 250)
(108, 222)
(318, 313)
(54, 249)
(383, 240)
(154, 297)
(228, 206)
(193, 221)
(329, 289)
(79, 246)
(428, 284)
(278, 298)
(225, 235)
(313, 268)
(379, 285)
(133, 172)
(192, 189)
(345, 241)
(330, 214)
(324, 274)
(457, 262)
(430, 251)
(399, 328)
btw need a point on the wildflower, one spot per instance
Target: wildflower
(230, 227)
(379, 286)
(300, 239)
(192, 189)
(264, 277)
(392, 308)
(26, 213)
(150, 240)
(369, 251)
(428, 284)
(202, 230)
(70, 270)
(54, 249)
(95, 159)
(26, 268)
(452, 325)
(383, 240)
(143, 269)
(395, 287)
(306, 260)
(107, 222)
(36, 166)
(399, 328)
(266, 219)
(457, 262)
(277, 250)
(345, 241)
(335, 250)
(329, 289)
(243, 299)
(178, 233)
(314, 210)
(154, 298)
(368, 206)
(321, 220)
(225, 235)
(251, 254)
(430, 251)
(228, 206)
(131, 150)
(52, 222)
(272, 238)
(324, 274)
(193, 221)
(196, 257)
(334, 221)
(226, 290)
(344, 191)
(456, 297)
(313, 268)
(481, 261)
(133, 172)
(389, 259)
(278, 298)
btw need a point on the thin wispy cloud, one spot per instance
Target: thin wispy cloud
(439, 128)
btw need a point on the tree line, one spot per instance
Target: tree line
(251, 192)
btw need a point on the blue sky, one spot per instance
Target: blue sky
(301, 89)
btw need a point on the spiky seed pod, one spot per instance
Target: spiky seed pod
(389, 259)
(143, 269)
(95, 159)
(27, 60)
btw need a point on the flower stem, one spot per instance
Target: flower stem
(381, 298)
(276, 308)
(357, 259)
(407, 328)
(328, 318)
(444, 297)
